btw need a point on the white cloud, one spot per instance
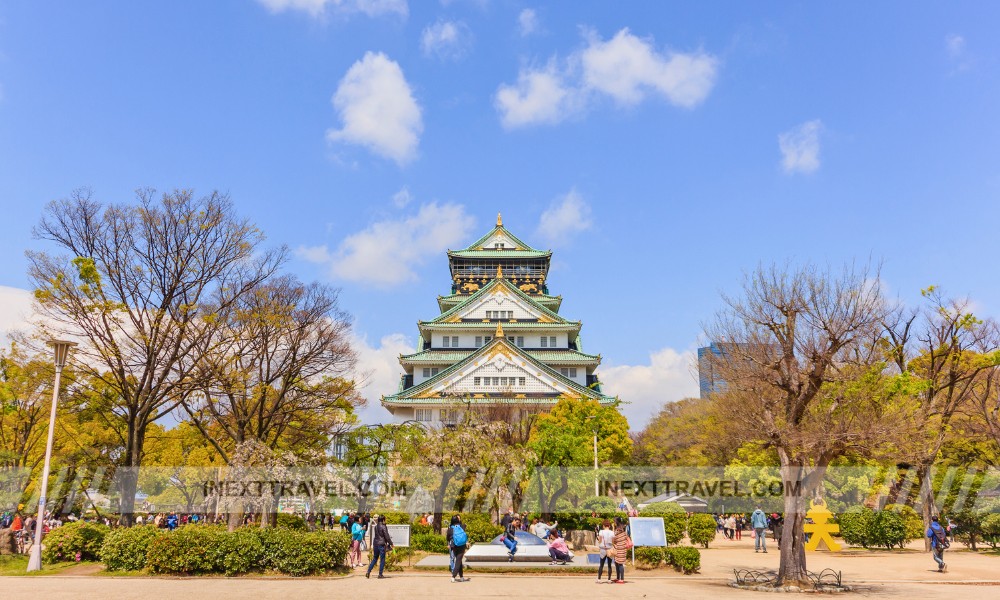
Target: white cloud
(625, 68)
(668, 377)
(386, 253)
(955, 45)
(16, 312)
(800, 147)
(446, 40)
(320, 8)
(401, 198)
(379, 370)
(540, 96)
(527, 22)
(956, 48)
(378, 110)
(565, 217)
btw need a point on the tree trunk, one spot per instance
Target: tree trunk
(128, 480)
(792, 569)
(927, 508)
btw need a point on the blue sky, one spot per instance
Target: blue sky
(660, 149)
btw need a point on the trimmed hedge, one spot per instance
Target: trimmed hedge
(124, 549)
(868, 528)
(74, 541)
(207, 549)
(288, 521)
(701, 529)
(429, 542)
(683, 558)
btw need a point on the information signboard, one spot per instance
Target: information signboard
(647, 531)
(400, 535)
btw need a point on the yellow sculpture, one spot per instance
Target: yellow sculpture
(820, 528)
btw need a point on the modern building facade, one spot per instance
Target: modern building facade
(499, 340)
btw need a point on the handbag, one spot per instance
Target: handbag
(628, 544)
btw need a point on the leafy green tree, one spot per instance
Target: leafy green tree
(563, 438)
(951, 355)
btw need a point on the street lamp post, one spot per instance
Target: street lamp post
(61, 348)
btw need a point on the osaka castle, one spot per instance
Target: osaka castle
(498, 342)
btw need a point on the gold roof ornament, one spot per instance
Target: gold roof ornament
(499, 272)
(499, 332)
(499, 220)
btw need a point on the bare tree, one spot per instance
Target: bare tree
(276, 371)
(138, 286)
(952, 355)
(795, 342)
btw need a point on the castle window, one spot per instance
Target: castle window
(545, 342)
(479, 341)
(520, 341)
(446, 342)
(427, 372)
(424, 414)
(476, 380)
(520, 381)
(552, 342)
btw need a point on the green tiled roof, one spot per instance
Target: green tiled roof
(499, 281)
(479, 253)
(476, 245)
(405, 396)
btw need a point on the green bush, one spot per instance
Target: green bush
(207, 549)
(186, 550)
(239, 552)
(856, 525)
(683, 558)
(67, 542)
(429, 542)
(418, 529)
(991, 529)
(674, 519)
(649, 558)
(124, 549)
(888, 529)
(913, 521)
(395, 557)
(602, 505)
(701, 529)
(288, 521)
(304, 554)
(396, 517)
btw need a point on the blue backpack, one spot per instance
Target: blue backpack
(458, 535)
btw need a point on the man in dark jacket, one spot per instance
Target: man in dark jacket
(381, 543)
(939, 542)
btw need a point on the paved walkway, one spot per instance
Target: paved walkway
(907, 575)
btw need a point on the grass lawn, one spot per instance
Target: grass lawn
(18, 565)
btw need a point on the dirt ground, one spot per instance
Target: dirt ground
(909, 574)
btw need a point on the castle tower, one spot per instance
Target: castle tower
(498, 342)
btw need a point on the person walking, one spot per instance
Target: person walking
(458, 541)
(381, 543)
(621, 544)
(758, 520)
(357, 534)
(605, 545)
(939, 543)
(448, 534)
(740, 523)
(510, 538)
